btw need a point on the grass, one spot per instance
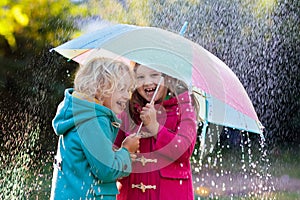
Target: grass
(276, 195)
(282, 161)
(285, 161)
(277, 162)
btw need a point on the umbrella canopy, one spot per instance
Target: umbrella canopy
(223, 99)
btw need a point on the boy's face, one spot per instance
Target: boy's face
(147, 80)
(118, 99)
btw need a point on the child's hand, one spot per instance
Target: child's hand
(133, 156)
(148, 116)
(131, 143)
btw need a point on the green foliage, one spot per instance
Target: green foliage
(134, 12)
(44, 22)
(51, 22)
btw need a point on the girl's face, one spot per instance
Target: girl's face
(118, 99)
(147, 80)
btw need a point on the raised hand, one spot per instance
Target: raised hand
(148, 116)
(131, 143)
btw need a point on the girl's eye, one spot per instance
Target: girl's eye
(155, 75)
(140, 77)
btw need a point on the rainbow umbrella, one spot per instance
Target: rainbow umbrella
(223, 99)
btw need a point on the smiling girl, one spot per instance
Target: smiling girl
(162, 168)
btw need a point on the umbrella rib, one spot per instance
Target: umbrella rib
(78, 54)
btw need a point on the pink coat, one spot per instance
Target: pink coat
(163, 169)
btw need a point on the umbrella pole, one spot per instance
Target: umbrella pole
(151, 102)
(181, 32)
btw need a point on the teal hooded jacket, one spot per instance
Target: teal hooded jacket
(86, 166)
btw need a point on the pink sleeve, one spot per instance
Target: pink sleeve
(179, 144)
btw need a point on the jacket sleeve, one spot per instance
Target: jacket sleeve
(106, 164)
(178, 145)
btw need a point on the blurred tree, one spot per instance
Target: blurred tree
(32, 81)
(129, 12)
(29, 26)
(29, 29)
(26, 27)
(45, 22)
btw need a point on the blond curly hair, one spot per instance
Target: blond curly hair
(99, 77)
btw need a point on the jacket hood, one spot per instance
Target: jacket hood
(73, 111)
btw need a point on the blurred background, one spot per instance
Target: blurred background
(258, 39)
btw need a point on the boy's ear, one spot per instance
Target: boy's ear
(99, 98)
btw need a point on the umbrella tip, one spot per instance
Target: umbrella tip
(183, 28)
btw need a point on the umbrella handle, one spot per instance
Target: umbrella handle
(151, 102)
